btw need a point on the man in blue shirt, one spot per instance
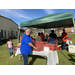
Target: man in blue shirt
(52, 37)
(26, 46)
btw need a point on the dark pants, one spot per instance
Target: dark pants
(63, 45)
(25, 57)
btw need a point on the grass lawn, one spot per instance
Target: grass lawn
(65, 58)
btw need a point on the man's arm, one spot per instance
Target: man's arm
(48, 39)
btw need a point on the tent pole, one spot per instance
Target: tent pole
(18, 36)
(44, 31)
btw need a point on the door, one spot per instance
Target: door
(0, 36)
(5, 34)
(1, 33)
(8, 34)
(12, 34)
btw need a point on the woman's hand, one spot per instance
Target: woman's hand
(35, 48)
(48, 39)
(6, 48)
(32, 46)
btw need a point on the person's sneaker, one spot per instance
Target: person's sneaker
(11, 56)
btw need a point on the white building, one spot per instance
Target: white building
(8, 28)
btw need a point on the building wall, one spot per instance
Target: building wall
(0, 36)
(8, 26)
(68, 29)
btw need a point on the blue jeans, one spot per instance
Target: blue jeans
(25, 57)
(63, 45)
(10, 51)
(53, 42)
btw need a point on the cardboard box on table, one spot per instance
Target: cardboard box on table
(41, 45)
(52, 47)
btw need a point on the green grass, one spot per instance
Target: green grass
(65, 58)
(32, 35)
(6, 60)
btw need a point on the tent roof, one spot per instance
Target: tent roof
(51, 21)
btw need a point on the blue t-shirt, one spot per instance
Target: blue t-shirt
(25, 48)
(52, 37)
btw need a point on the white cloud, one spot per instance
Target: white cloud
(15, 13)
(49, 11)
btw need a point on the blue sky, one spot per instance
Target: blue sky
(22, 15)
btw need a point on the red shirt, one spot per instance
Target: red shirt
(64, 35)
(42, 37)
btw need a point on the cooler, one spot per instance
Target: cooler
(71, 48)
(59, 47)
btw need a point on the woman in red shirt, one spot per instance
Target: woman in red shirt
(42, 36)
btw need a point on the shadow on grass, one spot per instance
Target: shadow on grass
(66, 57)
(66, 47)
(34, 57)
(3, 41)
(72, 58)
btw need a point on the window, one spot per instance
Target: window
(1, 33)
(66, 28)
(5, 34)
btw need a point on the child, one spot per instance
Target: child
(10, 47)
(34, 37)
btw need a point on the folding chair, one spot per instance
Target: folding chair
(15, 49)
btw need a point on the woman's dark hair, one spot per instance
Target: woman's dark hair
(52, 31)
(41, 33)
(38, 34)
(10, 38)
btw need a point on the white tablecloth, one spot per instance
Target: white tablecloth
(51, 56)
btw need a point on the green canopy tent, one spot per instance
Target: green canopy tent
(51, 21)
